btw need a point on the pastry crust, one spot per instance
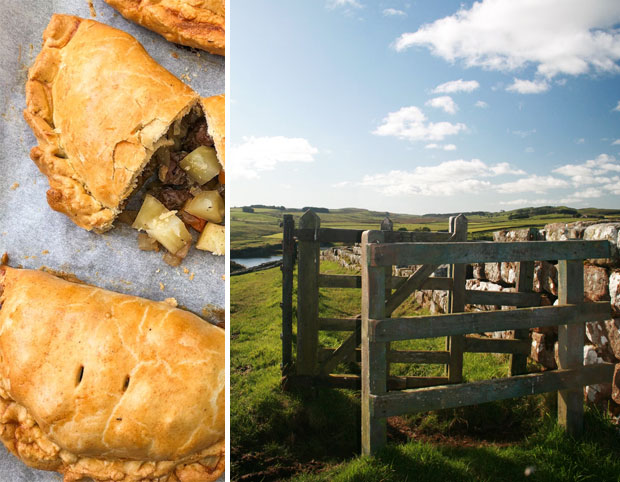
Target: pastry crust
(214, 110)
(195, 23)
(109, 386)
(98, 104)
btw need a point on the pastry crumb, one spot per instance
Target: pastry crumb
(4, 259)
(14, 186)
(45, 251)
(174, 54)
(191, 277)
(157, 270)
(185, 270)
(172, 302)
(223, 277)
(162, 286)
(91, 7)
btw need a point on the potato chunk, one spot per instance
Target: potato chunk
(213, 238)
(201, 164)
(207, 205)
(162, 225)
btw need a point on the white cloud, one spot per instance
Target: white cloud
(588, 193)
(481, 104)
(599, 171)
(445, 147)
(410, 123)
(256, 154)
(616, 142)
(581, 140)
(454, 86)
(445, 179)
(342, 184)
(557, 36)
(532, 183)
(524, 134)
(444, 102)
(528, 202)
(617, 108)
(392, 12)
(344, 3)
(522, 86)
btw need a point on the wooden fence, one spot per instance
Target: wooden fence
(379, 254)
(314, 364)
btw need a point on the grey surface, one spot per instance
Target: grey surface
(28, 227)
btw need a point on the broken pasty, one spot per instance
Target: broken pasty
(101, 108)
(108, 386)
(195, 23)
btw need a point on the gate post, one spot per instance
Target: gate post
(570, 345)
(308, 296)
(525, 283)
(374, 365)
(387, 225)
(456, 302)
(288, 248)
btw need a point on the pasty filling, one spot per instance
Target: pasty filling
(185, 192)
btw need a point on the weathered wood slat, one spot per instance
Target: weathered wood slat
(288, 247)
(480, 322)
(413, 283)
(484, 252)
(418, 356)
(355, 281)
(404, 383)
(353, 382)
(525, 284)
(352, 236)
(374, 361)
(570, 345)
(340, 281)
(456, 303)
(308, 299)
(451, 396)
(339, 324)
(345, 352)
(416, 237)
(501, 298)
(474, 344)
(331, 235)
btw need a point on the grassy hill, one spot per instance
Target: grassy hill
(278, 435)
(261, 228)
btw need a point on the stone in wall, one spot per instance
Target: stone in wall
(600, 392)
(615, 385)
(597, 333)
(612, 328)
(610, 232)
(493, 272)
(508, 236)
(474, 284)
(564, 231)
(614, 291)
(439, 302)
(596, 283)
(543, 350)
(478, 271)
(545, 277)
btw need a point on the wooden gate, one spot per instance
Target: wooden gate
(314, 364)
(378, 330)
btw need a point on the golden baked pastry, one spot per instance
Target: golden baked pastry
(103, 385)
(195, 23)
(100, 108)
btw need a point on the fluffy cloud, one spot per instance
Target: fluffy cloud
(456, 86)
(344, 3)
(602, 171)
(481, 104)
(617, 108)
(446, 147)
(445, 179)
(256, 154)
(445, 103)
(616, 142)
(410, 123)
(522, 86)
(533, 183)
(528, 202)
(392, 12)
(569, 37)
(524, 134)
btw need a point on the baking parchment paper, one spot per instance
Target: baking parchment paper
(34, 235)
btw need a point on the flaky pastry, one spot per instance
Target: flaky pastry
(195, 23)
(100, 107)
(103, 385)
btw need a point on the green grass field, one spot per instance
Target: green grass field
(262, 227)
(278, 435)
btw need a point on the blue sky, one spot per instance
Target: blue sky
(425, 106)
